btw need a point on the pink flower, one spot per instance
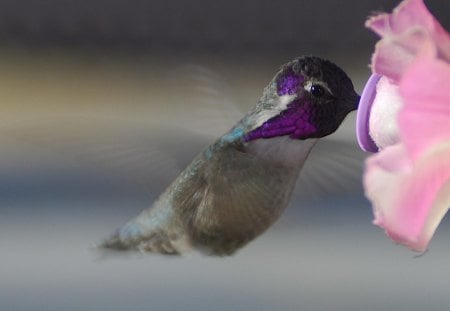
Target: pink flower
(405, 115)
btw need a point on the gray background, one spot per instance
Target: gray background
(198, 24)
(102, 102)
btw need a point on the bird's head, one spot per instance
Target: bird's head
(308, 98)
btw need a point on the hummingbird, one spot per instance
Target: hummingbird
(238, 186)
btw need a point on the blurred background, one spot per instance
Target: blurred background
(103, 102)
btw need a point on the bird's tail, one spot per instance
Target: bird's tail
(147, 234)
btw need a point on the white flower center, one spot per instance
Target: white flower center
(383, 124)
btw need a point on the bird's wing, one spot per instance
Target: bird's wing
(204, 100)
(138, 155)
(333, 168)
(142, 147)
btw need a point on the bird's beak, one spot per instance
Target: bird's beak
(355, 101)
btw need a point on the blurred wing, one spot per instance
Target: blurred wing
(334, 167)
(140, 155)
(145, 146)
(204, 101)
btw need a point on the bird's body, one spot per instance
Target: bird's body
(239, 185)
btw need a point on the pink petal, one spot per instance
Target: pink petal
(409, 182)
(409, 13)
(384, 172)
(405, 32)
(409, 200)
(425, 118)
(394, 55)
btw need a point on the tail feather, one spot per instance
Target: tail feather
(129, 238)
(152, 244)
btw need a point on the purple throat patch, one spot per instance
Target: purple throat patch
(295, 121)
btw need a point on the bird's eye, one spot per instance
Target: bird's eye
(317, 90)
